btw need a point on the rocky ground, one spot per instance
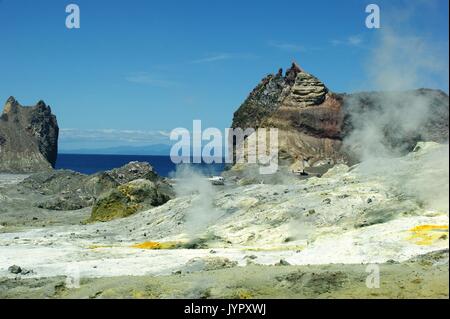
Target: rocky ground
(425, 277)
(292, 238)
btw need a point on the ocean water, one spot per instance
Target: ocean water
(90, 164)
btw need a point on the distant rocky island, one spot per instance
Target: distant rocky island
(28, 138)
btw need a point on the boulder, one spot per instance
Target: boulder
(128, 199)
(14, 269)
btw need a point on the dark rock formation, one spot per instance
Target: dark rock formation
(129, 172)
(132, 188)
(28, 138)
(129, 198)
(313, 122)
(116, 193)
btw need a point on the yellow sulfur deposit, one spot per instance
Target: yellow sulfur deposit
(155, 245)
(430, 227)
(244, 294)
(428, 234)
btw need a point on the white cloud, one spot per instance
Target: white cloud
(148, 79)
(285, 46)
(353, 40)
(213, 58)
(164, 133)
(222, 57)
(77, 138)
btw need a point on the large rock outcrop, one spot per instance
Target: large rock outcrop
(113, 194)
(130, 198)
(28, 138)
(314, 123)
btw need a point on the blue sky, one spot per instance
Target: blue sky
(137, 69)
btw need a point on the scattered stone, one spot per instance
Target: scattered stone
(14, 269)
(282, 262)
(251, 257)
(310, 212)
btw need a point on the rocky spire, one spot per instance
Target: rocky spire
(10, 105)
(11, 100)
(292, 72)
(41, 103)
(280, 72)
(306, 89)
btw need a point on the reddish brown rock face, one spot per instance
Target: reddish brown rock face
(324, 120)
(313, 121)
